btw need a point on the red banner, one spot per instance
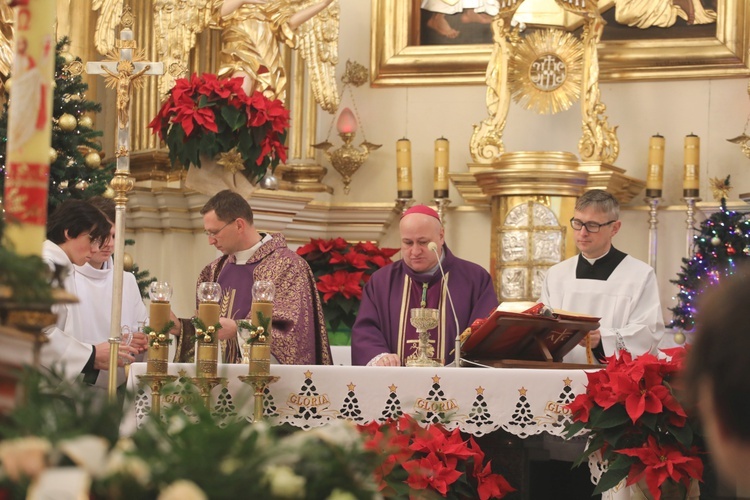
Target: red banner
(26, 192)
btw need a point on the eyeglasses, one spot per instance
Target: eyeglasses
(591, 227)
(213, 234)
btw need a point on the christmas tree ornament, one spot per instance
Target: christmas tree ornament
(52, 155)
(109, 193)
(93, 160)
(67, 122)
(746, 250)
(679, 337)
(7, 84)
(67, 57)
(82, 185)
(716, 241)
(63, 184)
(730, 250)
(86, 121)
(127, 262)
(74, 97)
(71, 163)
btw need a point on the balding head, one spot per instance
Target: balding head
(417, 231)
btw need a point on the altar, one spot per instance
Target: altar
(522, 402)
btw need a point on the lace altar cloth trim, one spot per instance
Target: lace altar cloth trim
(523, 402)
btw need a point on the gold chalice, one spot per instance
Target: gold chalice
(424, 319)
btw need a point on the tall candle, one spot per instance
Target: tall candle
(209, 313)
(264, 308)
(440, 180)
(655, 178)
(158, 315)
(30, 126)
(691, 179)
(403, 168)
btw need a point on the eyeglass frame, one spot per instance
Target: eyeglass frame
(597, 225)
(214, 234)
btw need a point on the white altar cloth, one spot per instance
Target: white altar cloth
(523, 402)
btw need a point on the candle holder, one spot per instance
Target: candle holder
(207, 328)
(205, 385)
(653, 221)
(442, 207)
(403, 204)
(424, 319)
(259, 383)
(156, 382)
(690, 201)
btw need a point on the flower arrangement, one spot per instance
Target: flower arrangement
(205, 116)
(638, 425)
(426, 462)
(341, 269)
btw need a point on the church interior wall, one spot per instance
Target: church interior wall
(713, 109)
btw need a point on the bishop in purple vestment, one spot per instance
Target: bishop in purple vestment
(382, 333)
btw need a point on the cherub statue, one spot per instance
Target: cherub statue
(251, 34)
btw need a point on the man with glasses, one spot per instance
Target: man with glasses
(298, 327)
(605, 282)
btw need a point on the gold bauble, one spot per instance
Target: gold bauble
(679, 338)
(127, 261)
(52, 155)
(68, 57)
(7, 84)
(63, 184)
(86, 121)
(109, 193)
(93, 160)
(74, 97)
(82, 185)
(162, 337)
(67, 122)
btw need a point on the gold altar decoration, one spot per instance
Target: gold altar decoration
(545, 71)
(743, 139)
(347, 159)
(160, 293)
(423, 319)
(259, 383)
(720, 187)
(207, 328)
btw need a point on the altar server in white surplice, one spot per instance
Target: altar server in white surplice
(94, 284)
(605, 282)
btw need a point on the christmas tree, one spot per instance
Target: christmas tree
(724, 240)
(76, 169)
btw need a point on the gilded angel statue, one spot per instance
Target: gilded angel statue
(252, 32)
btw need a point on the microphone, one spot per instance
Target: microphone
(457, 349)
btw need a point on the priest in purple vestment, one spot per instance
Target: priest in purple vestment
(382, 334)
(298, 329)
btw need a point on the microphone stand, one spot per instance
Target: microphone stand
(457, 349)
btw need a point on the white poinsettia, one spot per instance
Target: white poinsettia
(284, 482)
(24, 456)
(182, 489)
(88, 452)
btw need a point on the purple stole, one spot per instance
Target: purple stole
(412, 298)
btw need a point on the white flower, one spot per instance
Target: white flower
(88, 452)
(229, 465)
(338, 494)
(182, 489)
(24, 456)
(120, 462)
(284, 482)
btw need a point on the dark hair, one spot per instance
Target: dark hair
(717, 353)
(601, 201)
(229, 206)
(106, 205)
(77, 217)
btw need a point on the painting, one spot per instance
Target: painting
(707, 39)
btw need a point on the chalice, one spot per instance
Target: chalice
(423, 319)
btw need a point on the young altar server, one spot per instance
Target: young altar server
(605, 282)
(94, 282)
(75, 230)
(382, 335)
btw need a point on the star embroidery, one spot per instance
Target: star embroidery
(350, 386)
(436, 379)
(522, 391)
(393, 387)
(480, 390)
(568, 381)
(308, 374)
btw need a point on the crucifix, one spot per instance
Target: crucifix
(123, 72)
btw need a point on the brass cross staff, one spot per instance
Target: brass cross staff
(124, 72)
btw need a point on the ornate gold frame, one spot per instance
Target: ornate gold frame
(394, 60)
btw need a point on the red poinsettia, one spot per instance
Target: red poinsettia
(637, 423)
(341, 270)
(419, 461)
(205, 115)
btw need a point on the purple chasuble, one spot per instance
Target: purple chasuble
(236, 290)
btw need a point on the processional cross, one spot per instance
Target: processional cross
(124, 72)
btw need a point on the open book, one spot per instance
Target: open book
(535, 335)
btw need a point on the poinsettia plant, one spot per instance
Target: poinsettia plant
(424, 462)
(205, 116)
(637, 423)
(341, 269)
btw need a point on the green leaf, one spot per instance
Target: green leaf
(611, 478)
(613, 417)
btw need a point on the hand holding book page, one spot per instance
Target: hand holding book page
(535, 335)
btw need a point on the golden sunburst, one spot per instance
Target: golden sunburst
(545, 72)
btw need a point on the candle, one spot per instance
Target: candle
(264, 308)
(441, 168)
(159, 310)
(403, 168)
(30, 127)
(347, 123)
(690, 183)
(655, 178)
(209, 313)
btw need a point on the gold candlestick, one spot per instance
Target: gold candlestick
(207, 330)
(160, 292)
(156, 382)
(259, 383)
